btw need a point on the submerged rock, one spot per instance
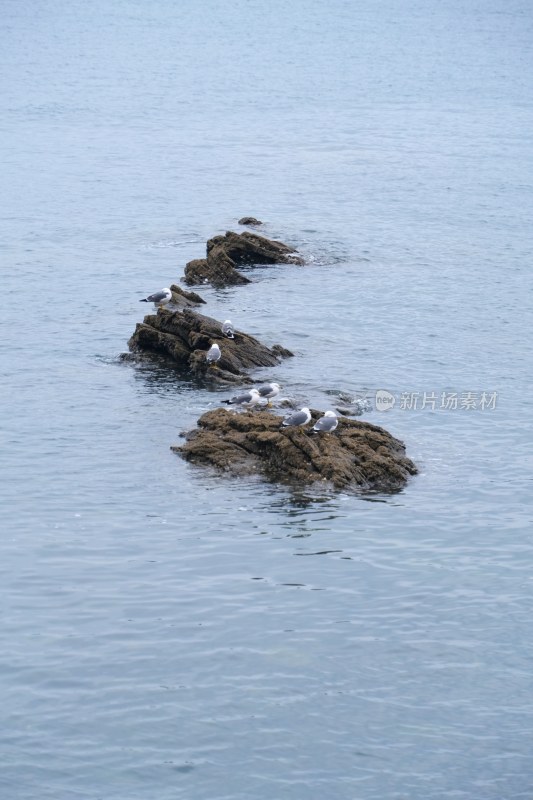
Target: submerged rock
(357, 455)
(249, 221)
(356, 409)
(187, 336)
(226, 253)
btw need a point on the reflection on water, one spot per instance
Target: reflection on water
(297, 499)
(156, 373)
(378, 497)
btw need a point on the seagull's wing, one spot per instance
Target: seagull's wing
(326, 424)
(242, 398)
(265, 389)
(296, 419)
(156, 297)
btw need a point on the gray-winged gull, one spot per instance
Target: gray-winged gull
(327, 423)
(269, 390)
(301, 417)
(213, 354)
(247, 399)
(158, 298)
(228, 329)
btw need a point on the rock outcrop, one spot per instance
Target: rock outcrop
(226, 253)
(357, 455)
(187, 336)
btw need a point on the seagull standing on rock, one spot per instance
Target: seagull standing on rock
(327, 423)
(159, 299)
(213, 354)
(269, 390)
(228, 329)
(247, 399)
(297, 419)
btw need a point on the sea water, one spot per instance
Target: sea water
(167, 632)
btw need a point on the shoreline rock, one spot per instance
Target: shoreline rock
(226, 253)
(357, 456)
(187, 336)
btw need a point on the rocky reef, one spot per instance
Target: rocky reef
(186, 337)
(226, 253)
(352, 455)
(357, 455)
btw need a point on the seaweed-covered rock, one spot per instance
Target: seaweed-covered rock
(226, 253)
(249, 221)
(187, 336)
(356, 455)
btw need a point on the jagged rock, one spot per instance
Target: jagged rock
(187, 336)
(357, 455)
(219, 272)
(183, 299)
(249, 221)
(226, 253)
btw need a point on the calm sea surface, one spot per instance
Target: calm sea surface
(168, 633)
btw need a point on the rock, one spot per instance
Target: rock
(351, 405)
(219, 272)
(290, 403)
(249, 221)
(187, 336)
(357, 455)
(357, 408)
(226, 253)
(345, 412)
(183, 299)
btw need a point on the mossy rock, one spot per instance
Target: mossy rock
(357, 455)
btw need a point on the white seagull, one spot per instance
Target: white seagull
(301, 417)
(269, 390)
(213, 354)
(247, 399)
(158, 298)
(228, 329)
(327, 423)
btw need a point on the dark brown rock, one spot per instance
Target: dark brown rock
(249, 221)
(226, 253)
(187, 336)
(183, 299)
(357, 455)
(219, 271)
